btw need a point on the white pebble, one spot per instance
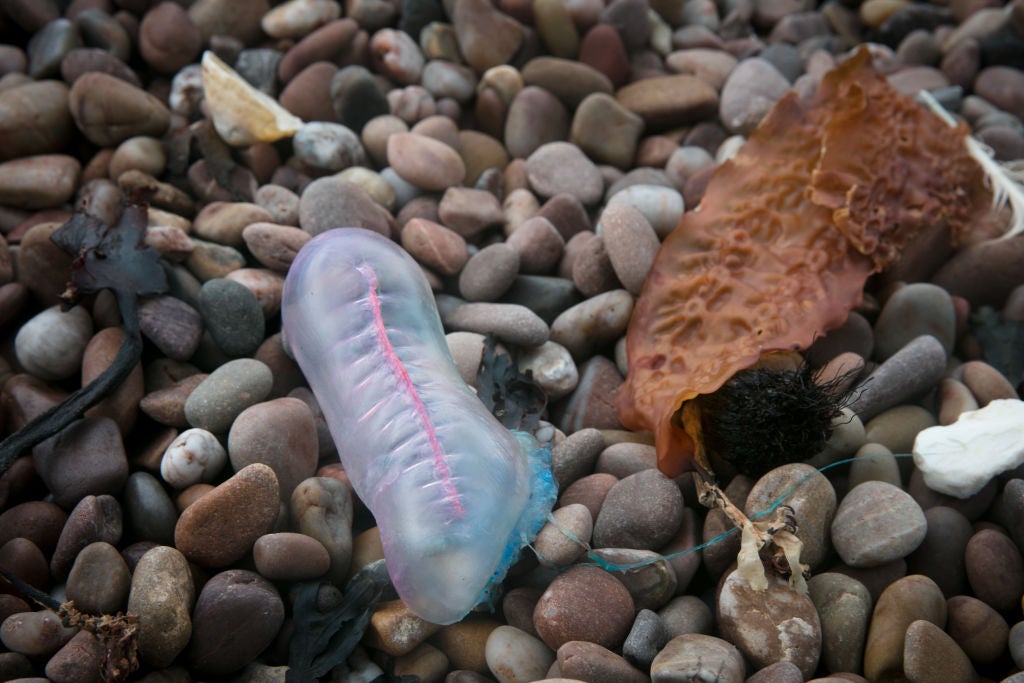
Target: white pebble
(661, 206)
(50, 345)
(959, 459)
(552, 367)
(195, 456)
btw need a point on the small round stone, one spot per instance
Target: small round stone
(631, 244)
(51, 344)
(995, 569)
(280, 433)
(552, 367)
(321, 508)
(230, 389)
(435, 246)
(99, 580)
(901, 604)
(511, 323)
(108, 110)
(593, 323)
(929, 654)
(489, 273)
(661, 206)
(877, 523)
(162, 596)
(560, 167)
(330, 202)
(193, 457)
(535, 118)
(643, 510)
(514, 655)
(699, 657)
(584, 603)
(428, 164)
(778, 624)
(538, 244)
(980, 631)
(34, 633)
(913, 310)
(560, 542)
(290, 557)
(221, 527)
(591, 662)
(232, 315)
(844, 608)
(328, 147)
(237, 615)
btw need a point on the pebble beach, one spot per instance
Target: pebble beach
(530, 156)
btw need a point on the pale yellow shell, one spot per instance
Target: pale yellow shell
(242, 114)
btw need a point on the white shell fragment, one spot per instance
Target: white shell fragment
(195, 456)
(242, 114)
(959, 459)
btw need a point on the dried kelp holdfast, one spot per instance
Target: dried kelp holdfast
(826, 192)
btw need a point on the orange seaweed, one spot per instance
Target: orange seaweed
(823, 194)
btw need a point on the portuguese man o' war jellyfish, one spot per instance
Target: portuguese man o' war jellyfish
(455, 494)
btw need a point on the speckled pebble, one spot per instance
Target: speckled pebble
(232, 315)
(574, 457)
(51, 344)
(661, 206)
(591, 662)
(34, 633)
(565, 537)
(844, 608)
(287, 556)
(593, 323)
(489, 273)
(979, 630)
(813, 502)
(552, 368)
(321, 508)
(331, 202)
(902, 603)
(469, 211)
(221, 527)
(230, 389)
(427, 163)
(778, 624)
(650, 579)
(279, 433)
(328, 147)
(514, 655)
(162, 595)
(561, 167)
(995, 570)
(435, 246)
(538, 244)
(643, 510)
(695, 656)
(172, 325)
(511, 323)
(584, 603)
(93, 519)
(631, 243)
(194, 456)
(913, 310)
(930, 654)
(99, 580)
(273, 245)
(915, 368)
(877, 523)
(86, 458)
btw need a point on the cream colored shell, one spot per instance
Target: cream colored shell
(242, 114)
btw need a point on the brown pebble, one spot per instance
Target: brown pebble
(290, 557)
(222, 526)
(435, 246)
(584, 603)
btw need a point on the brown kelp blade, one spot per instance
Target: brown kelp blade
(823, 194)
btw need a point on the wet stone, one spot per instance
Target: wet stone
(877, 523)
(94, 519)
(621, 524)
(237, 615)
(357, 97)
(696, 656)
(108, 110)
(162, 595)
(515, 655)
(650, 579)
(591, 662)
(86, 458)
(902, 603)
(149, 511)
(560, 167)
(584, 603)
(813, 503)
(172, 325)
(995, 570)
(321, 508)
(778, 624)
(645, 640)
(79, 661)
(229, 390)
(221, 527)
(34, 633)
(232, 315)
(99, 580)
(844, 608)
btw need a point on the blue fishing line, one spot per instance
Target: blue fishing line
(598, 561)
